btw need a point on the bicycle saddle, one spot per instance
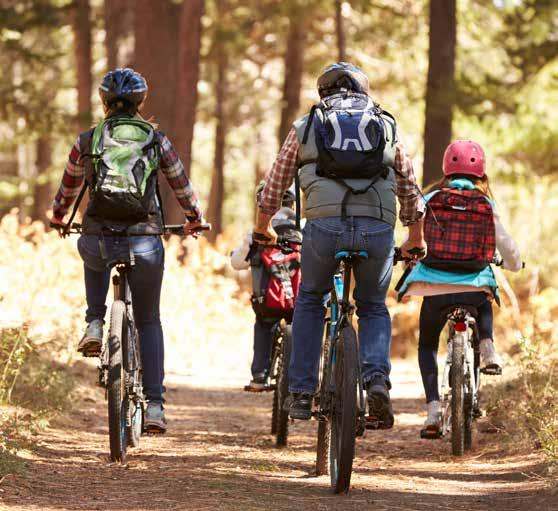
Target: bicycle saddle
(450, 309)
(351, 255)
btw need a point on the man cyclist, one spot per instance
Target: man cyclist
(340, 219)
(105, 238)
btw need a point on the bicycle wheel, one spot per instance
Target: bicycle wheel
(322, 452)
(117, 399)
(468, 421)
(274, 368)
(324, 430)
(457, 377)
(282, 387)
(344, 411)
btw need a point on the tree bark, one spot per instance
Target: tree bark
(188, 75)
(217, 192)
(294, 63)
(340, 31)
(42, 193)
(440, 88)
(117, 15)
(156, 58)
(82, 52)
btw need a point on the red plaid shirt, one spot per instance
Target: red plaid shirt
(282, 173)
(171, 167)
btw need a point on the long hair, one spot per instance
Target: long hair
(482, 184)
(121, 106)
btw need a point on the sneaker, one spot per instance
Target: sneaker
(380, 413)
(154, 419)
(258, 382)
(92, 340)
(433, 423)
(491, 362)
(301, 406)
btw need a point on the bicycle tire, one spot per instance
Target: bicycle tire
(468, 423)
(275, 363)
(344, 411)
(117, 401)
(322, 450)
(282, 388)
(457, 377)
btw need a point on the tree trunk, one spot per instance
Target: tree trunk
(118, 18)
(42, 193)
(340, 31)
(294, 62)
(188, 74)
(217, 193)
(440, 88)
(156, 58)
(82, 51)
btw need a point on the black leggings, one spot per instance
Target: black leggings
(432, 321)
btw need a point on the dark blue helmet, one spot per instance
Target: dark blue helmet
(123, 83)
(342, 75)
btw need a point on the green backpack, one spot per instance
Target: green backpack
(125, 158)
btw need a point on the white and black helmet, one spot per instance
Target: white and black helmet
(342, 75)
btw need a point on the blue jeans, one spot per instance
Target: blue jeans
(145, 284)
(432, 321)
(323, 238)
(263, 339)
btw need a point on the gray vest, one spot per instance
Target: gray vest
(323, 196)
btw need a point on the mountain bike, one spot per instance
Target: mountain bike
(278, 379)
(340, 400)
(120, 367)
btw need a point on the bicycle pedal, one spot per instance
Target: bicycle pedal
(492, 371)
(257, 390)
(373, 423)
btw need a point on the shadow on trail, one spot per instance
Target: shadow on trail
(219, 455)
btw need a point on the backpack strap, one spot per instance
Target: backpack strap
(84, 152)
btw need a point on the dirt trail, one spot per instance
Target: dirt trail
(218, 454)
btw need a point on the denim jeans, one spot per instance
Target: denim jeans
(432, 321)
(323, 238)
(145, 284)
(262, 346)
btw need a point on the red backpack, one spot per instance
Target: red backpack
(459, 231)
(276, 279)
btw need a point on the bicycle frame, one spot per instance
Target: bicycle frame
(463, 325)
(341, 312)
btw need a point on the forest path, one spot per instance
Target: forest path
(219, 454)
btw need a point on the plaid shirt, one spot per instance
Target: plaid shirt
(171, 166)
(282, 173)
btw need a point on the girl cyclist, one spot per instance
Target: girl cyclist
(112, 230)
(462, 231)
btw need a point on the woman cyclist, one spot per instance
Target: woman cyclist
(465, 196)
(108, 236)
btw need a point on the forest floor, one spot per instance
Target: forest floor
(218, 454)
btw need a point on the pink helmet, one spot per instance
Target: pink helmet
(464, 157)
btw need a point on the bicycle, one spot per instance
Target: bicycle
(278, 378)
(120, 368)
(460, 389)
(340, 399)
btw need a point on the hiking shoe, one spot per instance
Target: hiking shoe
(154, 419)
(491, 362)
(258, 382)
(92, 340)
(380, 413)
(433, 424)
(301, 406)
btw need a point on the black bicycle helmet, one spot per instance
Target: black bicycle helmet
(123, 83)
(288, 197)
(342, 75)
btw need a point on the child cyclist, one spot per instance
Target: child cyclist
(462, 231)
(269, 311)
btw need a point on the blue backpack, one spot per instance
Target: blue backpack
(351, 134)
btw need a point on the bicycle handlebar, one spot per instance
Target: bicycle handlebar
(75, 228)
